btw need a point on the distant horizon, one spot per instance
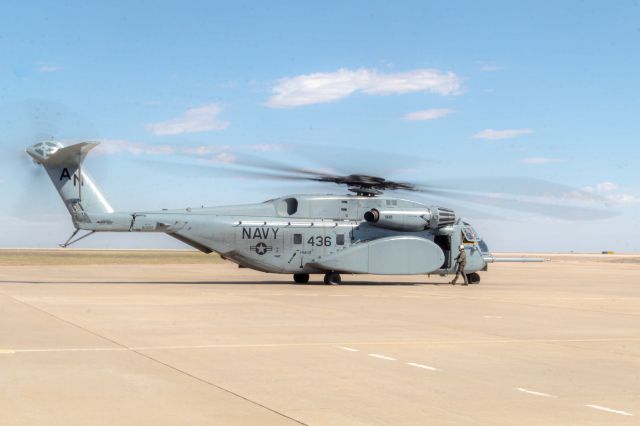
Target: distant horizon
(215, 254)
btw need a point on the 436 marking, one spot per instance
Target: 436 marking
(319, 241)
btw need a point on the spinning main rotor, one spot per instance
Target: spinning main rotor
(528, 195)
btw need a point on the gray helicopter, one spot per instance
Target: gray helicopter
(363, 233)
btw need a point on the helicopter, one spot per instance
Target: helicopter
(364, 232)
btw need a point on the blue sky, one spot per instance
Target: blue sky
(485, 89)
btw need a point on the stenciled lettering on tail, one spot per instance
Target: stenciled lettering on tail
(66, 175)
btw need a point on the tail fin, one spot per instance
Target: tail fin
(77, 189)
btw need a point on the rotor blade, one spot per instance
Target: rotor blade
(461, 210)
(271, 164)
(45, 118)
(560, 211)
(513, 185)
(325, 160)
(201, 169)
(35, 194)
(346, 160)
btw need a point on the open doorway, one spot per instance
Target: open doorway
(444, 242)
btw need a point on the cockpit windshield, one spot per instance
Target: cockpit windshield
(470, 235)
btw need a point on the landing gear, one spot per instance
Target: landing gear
(301, 278)
(332, 278)
(473, 278)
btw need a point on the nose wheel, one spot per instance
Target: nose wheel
(301, 278)
(332, 278)
(473, 278)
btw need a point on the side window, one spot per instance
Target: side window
(287, 207)
(469, 234)
(292, 206)
(297, 238)
(339, 239)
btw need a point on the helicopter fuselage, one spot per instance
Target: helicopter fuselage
(315, 234)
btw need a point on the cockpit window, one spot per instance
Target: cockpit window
(470, 235)
(483, 246)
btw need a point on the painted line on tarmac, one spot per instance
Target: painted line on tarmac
(609, 410)
(316, 344)
(348, 349)
(426, 367)
(531, 392)
(388, 358)
(26, 351)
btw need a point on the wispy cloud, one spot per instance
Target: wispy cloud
(49, 68)
(204, 150)
(318, 88)
(224, 157)
(539, 160)
(427, 114)
(212, 153)
(490, 68)
(194, 120)
(606, 186)
(268, 147)
(624, 198)
(119, 146)
(492, 134)
(612, 193)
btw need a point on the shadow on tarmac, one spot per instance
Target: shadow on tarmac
(313, 283)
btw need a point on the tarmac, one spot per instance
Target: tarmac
(532, 344)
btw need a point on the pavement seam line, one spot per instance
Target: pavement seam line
(315, 344)
(149, 357)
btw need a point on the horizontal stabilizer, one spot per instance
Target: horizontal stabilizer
(52, 154)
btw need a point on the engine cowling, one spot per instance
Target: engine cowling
(411, 220)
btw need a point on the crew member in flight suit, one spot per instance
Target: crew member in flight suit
(462, 262)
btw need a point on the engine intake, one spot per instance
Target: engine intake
(411, 220)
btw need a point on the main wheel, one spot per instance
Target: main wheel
(332, 278)
(301, 278)
(473, 278)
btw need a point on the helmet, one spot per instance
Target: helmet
(461, 246)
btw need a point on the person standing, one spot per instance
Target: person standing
(462, 262)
